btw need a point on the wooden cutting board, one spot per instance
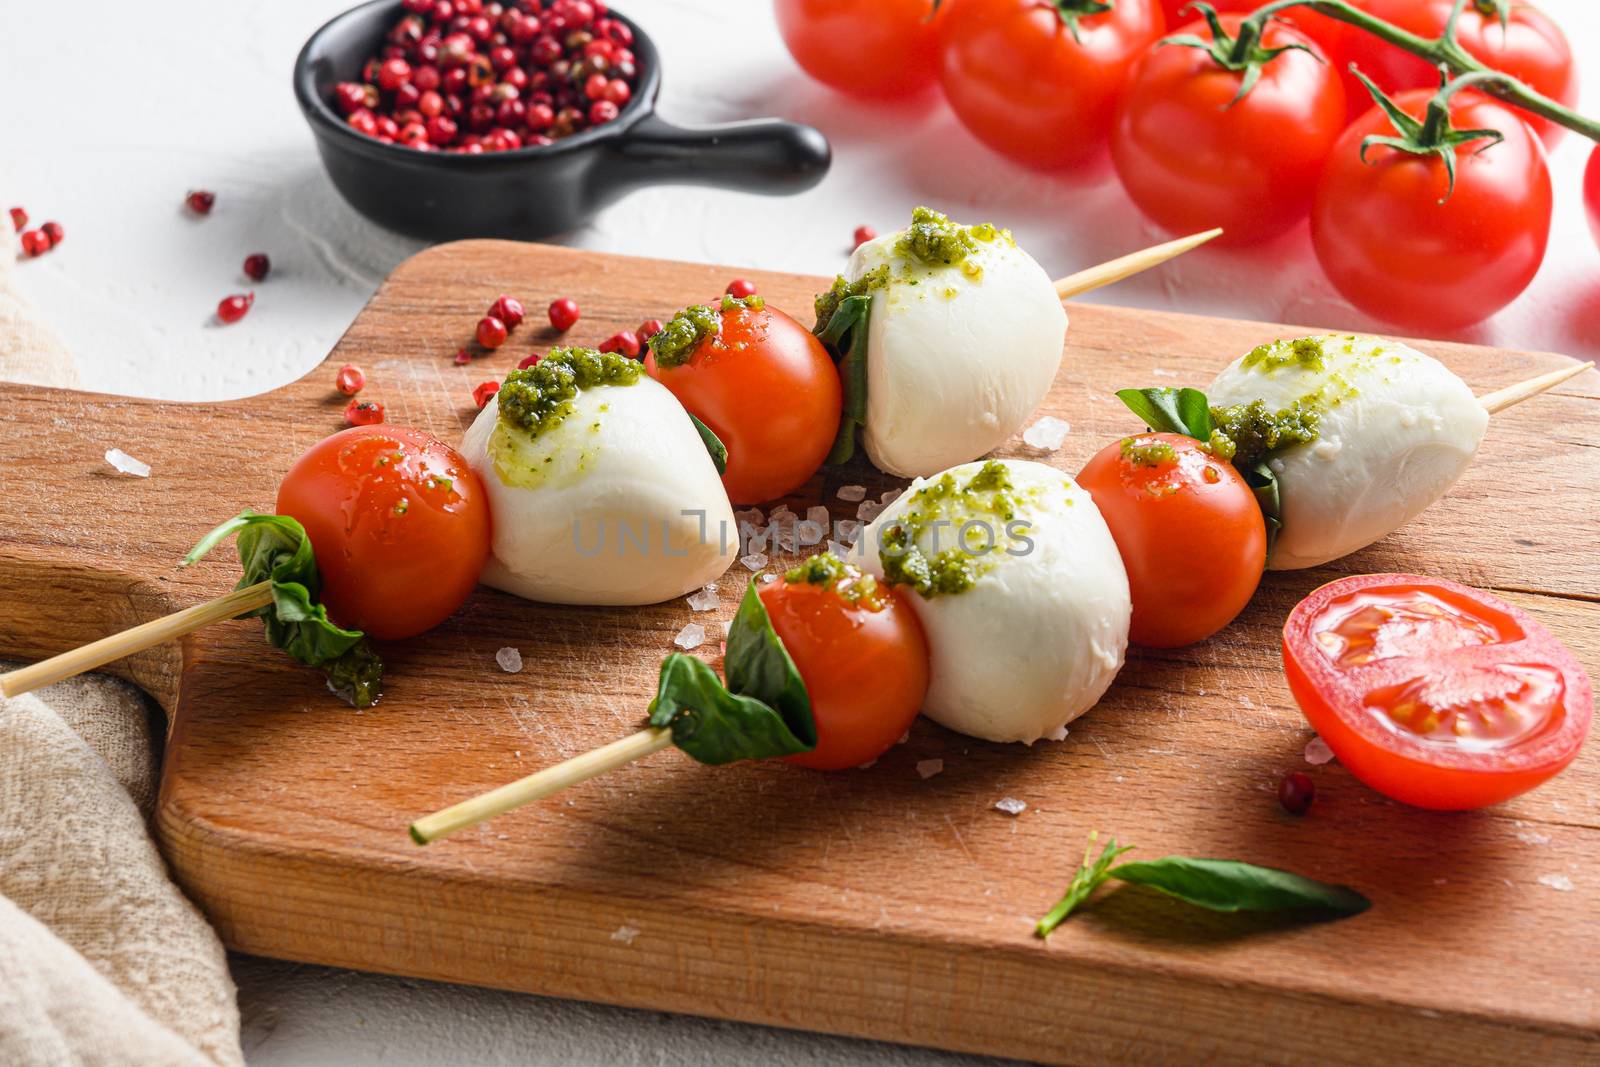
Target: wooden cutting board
(873, 903)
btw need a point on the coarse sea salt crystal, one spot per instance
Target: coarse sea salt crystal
(1046, 434)
(1058, 734)
(1011, 805)
(848, 530)
(869, 510)
(852, 493)
(767, 579)
(625, 934)
(810, 533)
(929, 767)
(691, 636)
(818, 514)
(126, 463)
(510, 660)
(1318, 752)
(1559, 882)
(704, 599)
(754, 561)
(889, 496)
(753, 516)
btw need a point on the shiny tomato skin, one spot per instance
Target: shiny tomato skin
(1346, 703)
(866, 671)
(768, 389)
(1190, 533)
(1191, 158)
(399, 523)
(872, 48)
(1020, 81)
(1394, 250)
(1531, 48)
(1591, 193)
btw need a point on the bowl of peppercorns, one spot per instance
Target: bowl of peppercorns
(444, 119)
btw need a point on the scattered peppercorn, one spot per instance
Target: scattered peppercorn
(235, 307)
(739, 288)
(35, 243)
(200, 201)
(462, 357)
(508, 309)
(564, 314)
(350, 379)
(492, 333)
(648, 329)
(53, 231)
(483, 391)
(257, 266)
(363, 413)
(527, 361)
(19, 219)
(863, 234)
(1296, 792)
(623, 342)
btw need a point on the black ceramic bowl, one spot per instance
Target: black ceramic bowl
(533, 192)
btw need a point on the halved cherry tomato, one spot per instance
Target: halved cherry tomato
(882, 48)
(1035, 82)
(1591, 192)
(1193, 155)
(864, 660)
(1530, 47)
(399, 523)
(1398, 244)
(1189, 530)
(768, 389)
(1434, 693)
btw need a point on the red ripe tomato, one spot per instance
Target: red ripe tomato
(1529, 47)
(1189, 530)
(768, 389)
(883, 48)
(1591, 193)
(1191, 157)
(1400, 246)
(1030, 88)
(1434, 693)
(864, 660)
(399, 523)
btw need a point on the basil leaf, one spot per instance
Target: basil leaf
(713, 443)
(1229, 885)
(1181, 411)
(275, 548)
(845, 335)
(1263, 481)
(763, 711)
(1089, 877)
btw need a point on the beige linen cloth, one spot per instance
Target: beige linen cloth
(103, 961)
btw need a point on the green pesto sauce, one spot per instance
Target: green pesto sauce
(1248, 433)
(1306, 352)
(1147, 452)
(934, 241)
(538, 398)
(988, 496)
(676, 342)
(848, 583)
(827, 303)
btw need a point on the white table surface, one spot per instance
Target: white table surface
(143, 102)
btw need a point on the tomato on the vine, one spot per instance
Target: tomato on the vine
(1039, 82)
(861, 653)
(1529, 47)
(1192, 153)
(769, 391)
(1189, 530)
(883, 48)
(1591, 192)
(1434, 693)
(1401, 245)
(399, 523)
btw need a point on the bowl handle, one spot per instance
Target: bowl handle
(761, 156)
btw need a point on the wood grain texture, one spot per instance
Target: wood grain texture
(872, 903)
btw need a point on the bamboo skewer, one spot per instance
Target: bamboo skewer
(98, 653)
(1500, 399)
(1127, 266)
(541, 784)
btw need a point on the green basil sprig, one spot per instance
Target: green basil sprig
(1188, 412)
(275, 548)
(763, 711)
(1220, 885)
(845, 335)
(714, 446)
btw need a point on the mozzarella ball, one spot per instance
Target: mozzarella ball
(958, 357)
(618, 503)
(1041, 630)
(1395, 429)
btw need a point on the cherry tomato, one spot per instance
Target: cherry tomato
(864, 661)
(1530, 47)
(1028, 87)
(767, 388)
(399, 523)
(1397, 247)
(1434, 693)
(1192, 157)
(1591, 192)
(883, 48)
(1189, 530)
